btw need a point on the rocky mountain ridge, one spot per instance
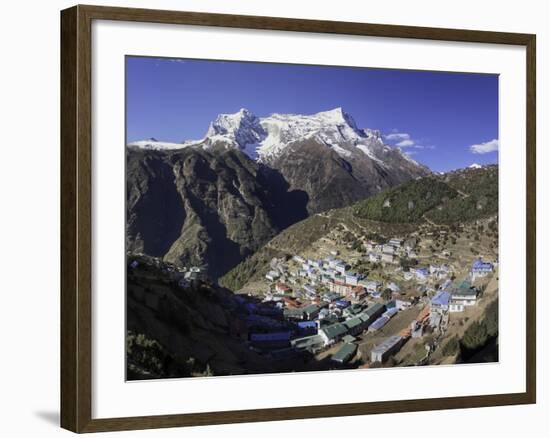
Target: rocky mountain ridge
(215, 201)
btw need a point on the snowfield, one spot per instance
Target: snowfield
(264, 139)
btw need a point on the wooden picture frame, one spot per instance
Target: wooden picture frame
(76, 217)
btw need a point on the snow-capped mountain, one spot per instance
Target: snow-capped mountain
(475, 166)
(153, 144)
(242, 130)
(264, 139)
(216, 200)
(324, 155)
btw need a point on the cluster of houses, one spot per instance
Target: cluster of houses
(323, 280)
(452, 297)
(274, 329)
(433, 271)
(322, 303)
(390, 251)
(318, 323)
(317, 326)
(358, 319)
(334, 274)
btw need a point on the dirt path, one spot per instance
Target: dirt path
(461, 193)
(429, 220)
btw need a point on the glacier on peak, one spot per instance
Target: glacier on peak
(242, 128)
(153, 144)
(265, 138)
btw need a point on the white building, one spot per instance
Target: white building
(341, 267)
(272, 275)
(374, 258)
(352, 278)
(387, 258)
(384, 350)
(461, 297)
(395, 242)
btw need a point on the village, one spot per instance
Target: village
(361, 303)
(392, 303)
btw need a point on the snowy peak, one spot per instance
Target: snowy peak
(332, 128)
(242, 128)
(474, 166)
(265, 139)
(335, 120)
(338, 117)
(153, 144)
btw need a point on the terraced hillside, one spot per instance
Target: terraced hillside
(440, 201)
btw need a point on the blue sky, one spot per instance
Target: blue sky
(444, 120)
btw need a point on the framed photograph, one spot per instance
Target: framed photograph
(270, 219)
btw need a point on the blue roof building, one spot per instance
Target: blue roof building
(441, 300)
(271, 340)
(343, 303)
(390, 346)
(421, 272)
(379, 323)
(307, 324)
(391, 311)
(481, 267)
(307, 328)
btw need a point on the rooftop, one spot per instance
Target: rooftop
(441, 298)
(344, 352)
(375, 308)
(277, 336)
(387, 344)
(480, 264)
(334, 330)
(310, 308)
(353, 322)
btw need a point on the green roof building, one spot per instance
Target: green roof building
(371, 314)
(333, 333)
(345, 353)
(291, 313)
(311, 311)
(354, 325)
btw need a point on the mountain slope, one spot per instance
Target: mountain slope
(332, 180)
(405, 203)
(183, 332)
(207, 208)
(324, 155)
(478, 190)
(438, 200)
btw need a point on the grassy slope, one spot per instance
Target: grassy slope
(478, 190)
(405, 203)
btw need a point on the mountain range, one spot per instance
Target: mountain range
(214, 201)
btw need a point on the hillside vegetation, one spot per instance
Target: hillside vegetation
(478, 189)
(459, 196)
(405, 203)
